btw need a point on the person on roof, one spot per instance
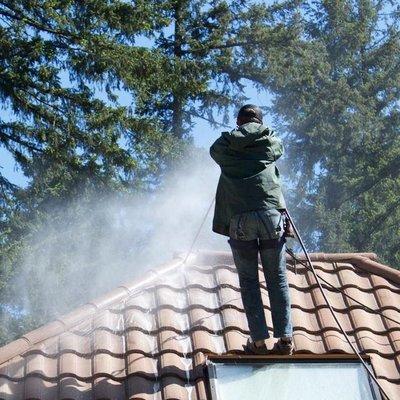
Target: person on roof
(249, 208)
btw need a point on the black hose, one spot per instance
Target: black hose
(370, 373)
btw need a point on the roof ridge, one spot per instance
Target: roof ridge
(223, 255)
(365, 261)
(66, 321)
(377, 268)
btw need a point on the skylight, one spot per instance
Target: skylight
(327, 380)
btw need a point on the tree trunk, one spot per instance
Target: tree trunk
(178, 102)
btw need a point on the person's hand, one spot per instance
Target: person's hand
(287, 227)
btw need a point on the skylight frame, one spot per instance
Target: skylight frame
(212, 359)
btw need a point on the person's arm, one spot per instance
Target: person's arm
(276, 145)
(221, 151)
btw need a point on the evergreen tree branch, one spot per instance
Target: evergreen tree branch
(212, 122)
(18, 16)
(391, 169)
(4, 137)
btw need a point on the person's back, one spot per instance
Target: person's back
(249, 177)
(249, 206)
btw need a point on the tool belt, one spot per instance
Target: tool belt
(287, 226)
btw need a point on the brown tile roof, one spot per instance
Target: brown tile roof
(146, 339)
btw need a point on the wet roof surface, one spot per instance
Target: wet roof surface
(147, 339)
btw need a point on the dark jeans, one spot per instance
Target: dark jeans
(261, 232)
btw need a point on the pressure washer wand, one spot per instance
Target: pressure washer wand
(329, 305)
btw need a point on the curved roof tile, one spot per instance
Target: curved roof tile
(147, 339)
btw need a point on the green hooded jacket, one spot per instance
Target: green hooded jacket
(249, 177)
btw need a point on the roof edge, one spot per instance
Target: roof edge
(377, 268)
(365, 261)
(66, 321)
(204, 256)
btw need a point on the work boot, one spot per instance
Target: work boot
(250, 347)
(284, 347)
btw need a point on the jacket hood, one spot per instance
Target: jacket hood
(245, 135)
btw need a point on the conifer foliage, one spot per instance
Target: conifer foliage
(99, 98)
(337, 98)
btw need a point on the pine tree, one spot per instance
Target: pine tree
(337, 98)
(204, 48)
(63, 65)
